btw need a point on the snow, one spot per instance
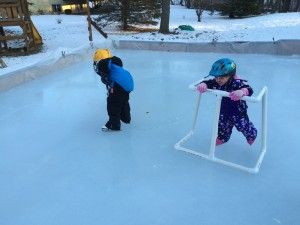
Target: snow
(57, 167)
(72, 33)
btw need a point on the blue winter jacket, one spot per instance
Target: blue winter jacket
(121, 76)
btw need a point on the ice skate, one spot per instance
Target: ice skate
(106, 129)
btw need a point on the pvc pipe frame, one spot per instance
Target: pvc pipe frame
(262, 97)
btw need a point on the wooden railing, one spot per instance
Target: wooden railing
(15, 13)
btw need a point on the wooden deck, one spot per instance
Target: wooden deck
(15, 13)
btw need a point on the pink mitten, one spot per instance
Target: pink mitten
(202, 87)
(238, 94)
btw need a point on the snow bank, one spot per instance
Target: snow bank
(64, 57)
(53, 62)
(281, 47)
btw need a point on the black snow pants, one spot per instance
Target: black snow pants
(118, 107)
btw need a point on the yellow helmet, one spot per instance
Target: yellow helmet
(102, 54)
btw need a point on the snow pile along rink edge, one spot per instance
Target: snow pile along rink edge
(48, 65)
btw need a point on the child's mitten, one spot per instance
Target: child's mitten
(238, 94)
(202, 87)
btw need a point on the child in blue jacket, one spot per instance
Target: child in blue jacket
(119, 84)
(233, 111)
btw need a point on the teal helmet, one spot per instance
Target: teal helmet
(223, 67)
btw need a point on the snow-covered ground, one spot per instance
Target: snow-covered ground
(58, 167)
(72, 34)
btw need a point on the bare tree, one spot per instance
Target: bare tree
(200, 6)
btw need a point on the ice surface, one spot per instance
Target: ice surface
(57, 167)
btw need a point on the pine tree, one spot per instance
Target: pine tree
(129, 12)
(239, 8)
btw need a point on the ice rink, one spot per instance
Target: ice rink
(58, 168)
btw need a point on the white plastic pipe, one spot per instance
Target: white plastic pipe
(262, 96)
(258, 98)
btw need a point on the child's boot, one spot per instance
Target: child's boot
(219, 142)
(110, 127)
(106, 129)
(250, 142)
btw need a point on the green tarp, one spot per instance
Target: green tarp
(186, 27)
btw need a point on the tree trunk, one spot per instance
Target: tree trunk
(262, 5)
(188, 4)
(297, 8)
(125, 13)
(273, 6)
(165, 17)
(286, 5)
(199, 15)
